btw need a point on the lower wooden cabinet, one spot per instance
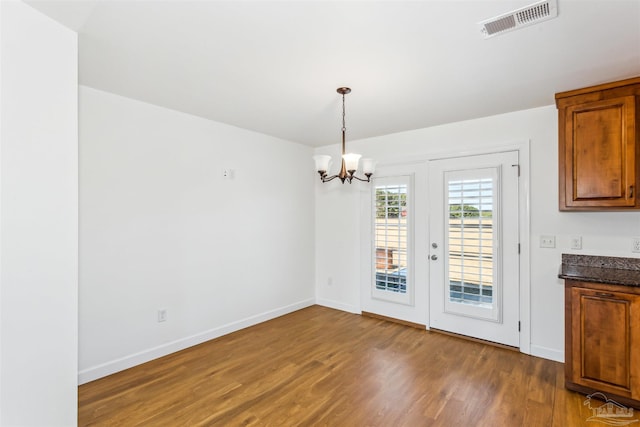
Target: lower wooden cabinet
(602, 340)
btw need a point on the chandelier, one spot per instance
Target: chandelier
(349, 160)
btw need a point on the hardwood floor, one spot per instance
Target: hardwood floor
(322, 367)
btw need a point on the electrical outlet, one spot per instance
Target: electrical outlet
(576, 242)
(162, 315)
(636, 245)
(547, 241)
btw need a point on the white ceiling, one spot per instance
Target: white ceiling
(273, 66)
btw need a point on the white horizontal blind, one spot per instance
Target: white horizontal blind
(391, 238)
(472, 203)
(471, 241)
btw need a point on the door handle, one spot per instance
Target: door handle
(434, 257)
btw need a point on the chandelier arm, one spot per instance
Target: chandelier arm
(368, 179)
(329, 178)
(348, 178)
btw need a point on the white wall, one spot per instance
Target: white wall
(337, 244)
(38, 220)
(161, 228)
(602, 233)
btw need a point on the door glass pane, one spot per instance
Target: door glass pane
(391, 237)
(471, 241)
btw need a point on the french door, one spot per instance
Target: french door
(394, 234)
(474, 248)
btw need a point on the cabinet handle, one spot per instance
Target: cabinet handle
(604, 294)
(631, 191)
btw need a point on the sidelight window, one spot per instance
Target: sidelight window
(391, 238)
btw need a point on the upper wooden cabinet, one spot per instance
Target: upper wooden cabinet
(599, 147)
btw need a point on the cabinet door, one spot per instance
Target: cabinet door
(600, 154)
(605, 326)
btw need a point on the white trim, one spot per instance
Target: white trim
(1, 116)
(135, 359)
(338, 305)
(525, 249)
(499, 148)
(448, 154)
(547, 353)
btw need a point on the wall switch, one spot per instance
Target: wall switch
(636, 245)
(162, 315)
(228, 173)
(547, 241)
(576, 242)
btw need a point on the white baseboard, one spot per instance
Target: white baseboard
(135, 359)
(547, 353)
(337, 305)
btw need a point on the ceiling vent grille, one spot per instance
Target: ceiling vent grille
(532, 14)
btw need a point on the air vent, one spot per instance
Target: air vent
(532, 14)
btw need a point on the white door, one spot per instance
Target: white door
(394, 236)
(474, 248)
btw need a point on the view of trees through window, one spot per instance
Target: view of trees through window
(468, 211)
(390, 204)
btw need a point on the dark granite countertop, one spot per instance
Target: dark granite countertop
(600, 269)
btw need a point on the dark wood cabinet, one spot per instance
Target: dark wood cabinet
(599, 147)
(602, 340)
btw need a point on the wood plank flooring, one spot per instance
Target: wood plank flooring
(322, 367)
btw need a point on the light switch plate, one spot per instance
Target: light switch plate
(576, 242)
(547, 241)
